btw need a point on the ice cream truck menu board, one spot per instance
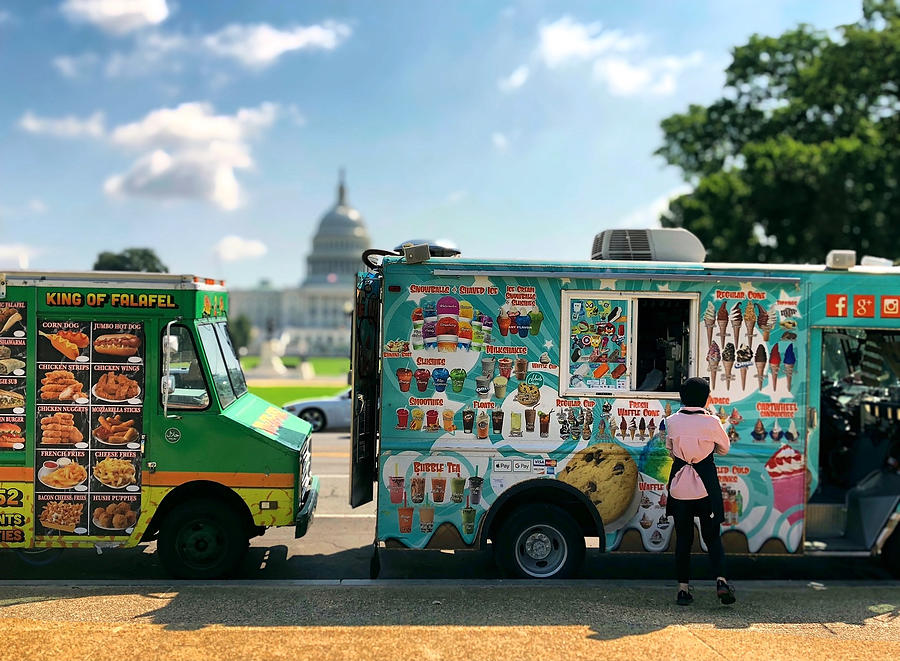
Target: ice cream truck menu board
(598, 339)
(89, 429)
(13, 351)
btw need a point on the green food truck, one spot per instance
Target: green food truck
(125, 417)
(521, 406)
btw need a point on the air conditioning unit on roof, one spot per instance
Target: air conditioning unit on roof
(657, 245)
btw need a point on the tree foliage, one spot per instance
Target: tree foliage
(130, 259)
(802, 152)
(239, 329)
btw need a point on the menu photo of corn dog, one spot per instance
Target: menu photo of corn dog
(62, 341)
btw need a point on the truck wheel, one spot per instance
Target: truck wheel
(540, 541)
(201, 539)
(890, 553)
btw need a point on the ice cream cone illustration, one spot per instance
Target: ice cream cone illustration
(749, 321)
(728, 363)
(760, 361)
(713, 357)
(632, 428)
(769, 323)
(744, 358)
(642, 429)
(774, 366)
(623, 428)
(788, 475)
(737, 320)
(722, 321)
(722, 415)
(651, 428)
(709, 320)
(759, 431)
(790, 359)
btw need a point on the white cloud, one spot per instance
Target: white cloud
(648, 214)
(75, 66)
(499, 140)
(150, 55)
(64, 127)
(652, 75)
(5, 17)
(565, 40)
(515, 80)
(457, 196)
(36, 205)
(16, 255)
(116, 16)
(260, 45)
(234, 248)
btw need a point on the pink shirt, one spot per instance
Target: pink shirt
(691, 438)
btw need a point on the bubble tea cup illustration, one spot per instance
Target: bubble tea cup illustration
(457, 487)
(475, 484)
(426, 517)
(405, 517)
(468, 519)
(438, 488)
(396, 486)
(417, 488)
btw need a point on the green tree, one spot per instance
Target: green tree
(130, 259)
(239, 329)
(802, 152)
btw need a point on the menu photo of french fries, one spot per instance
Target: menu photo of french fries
(116, 470)
(62, 513)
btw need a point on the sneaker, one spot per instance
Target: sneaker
(725, 592)
(685, 598)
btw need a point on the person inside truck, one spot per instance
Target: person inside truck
(694, 435)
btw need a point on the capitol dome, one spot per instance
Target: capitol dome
(338, 244)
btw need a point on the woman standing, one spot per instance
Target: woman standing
(693, 437)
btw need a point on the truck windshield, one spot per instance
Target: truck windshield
(235, 373)
(217, 366)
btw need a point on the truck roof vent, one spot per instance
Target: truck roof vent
(661, 245)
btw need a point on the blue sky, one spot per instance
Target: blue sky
(213, 131)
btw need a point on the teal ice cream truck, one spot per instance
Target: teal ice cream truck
(521, 406)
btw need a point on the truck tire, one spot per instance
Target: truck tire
(540, 541)
(890, 553)
(201, 539)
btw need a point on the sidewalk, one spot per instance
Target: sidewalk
(443, 619)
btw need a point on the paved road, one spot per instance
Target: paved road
(339, 543)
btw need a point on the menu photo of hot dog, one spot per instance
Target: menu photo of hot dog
(121, 342)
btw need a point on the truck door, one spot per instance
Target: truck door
(366, 370)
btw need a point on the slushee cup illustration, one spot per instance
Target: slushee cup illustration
(440, 376)
(500, 386)
(417, 488)
(457, 487)
(505, 365)
(457, 379)
(422, 377)
(438, 489)
(468, 418)
(468, 519)
(404, 378)
(536, 318)
(523, 322)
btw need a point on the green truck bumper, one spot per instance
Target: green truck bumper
(307, 508)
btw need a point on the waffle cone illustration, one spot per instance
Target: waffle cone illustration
(774, 370)
(709, 333)
(723, 328)
(736, 327)
(743, 372)
(713, 370)
(729, 365)
(760, 373)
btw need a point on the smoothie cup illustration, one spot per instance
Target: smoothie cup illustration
(396, 486)
(529, 419)
(431, 419)
(418, 418)
(515, 424)
(505, 365)
(500, 386)
(426, 518)
(468, 417)
(457, 487)
(417, 488)
(422, 377)
(404, 378)
(503, 323)
(523, 321)
(483, 387)
(482, 425)
(544, 420)
(521, 368)
(402, 418)
(497, 420)
(468, 519)
(536, 318)
(457, 379)
(447, 420)
(475, 484)
(416, 339)
(487, 367)
(438, 489)
(405, 517)
(440, 376)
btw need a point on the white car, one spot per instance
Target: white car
(328, 413)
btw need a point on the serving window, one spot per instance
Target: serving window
(627, 344)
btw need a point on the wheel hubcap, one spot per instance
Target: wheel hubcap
(541, 551)
(314, 418)
(538, 546)
(201, 543)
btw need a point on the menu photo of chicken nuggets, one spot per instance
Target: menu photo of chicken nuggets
(114, 514)
(63, 383)
(117, 342)
(62, 425)
(61, 513)
(62, 341)
(117, 384)
(116, 470)
(116, 427)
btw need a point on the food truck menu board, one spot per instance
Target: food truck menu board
(89, 427)
(13, 351)
(598, 340)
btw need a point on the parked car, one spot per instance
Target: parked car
(326, 413)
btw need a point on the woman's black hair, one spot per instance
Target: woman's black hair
(694, 392)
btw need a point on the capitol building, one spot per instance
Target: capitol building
(314, 318)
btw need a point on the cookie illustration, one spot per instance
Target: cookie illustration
(607, 475)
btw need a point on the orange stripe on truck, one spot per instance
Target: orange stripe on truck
(174, 478)
(16, 474)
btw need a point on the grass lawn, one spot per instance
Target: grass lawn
(329, 366)
(280, 395)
